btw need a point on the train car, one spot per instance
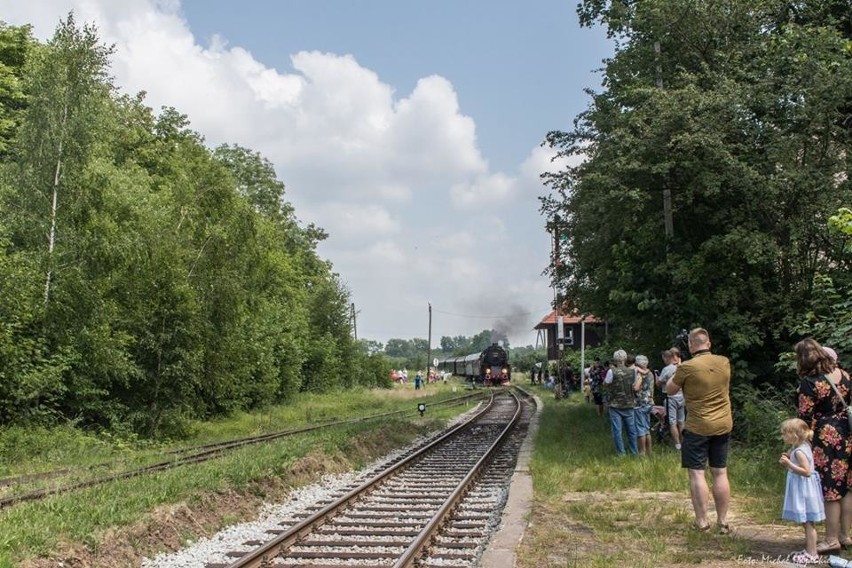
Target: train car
(487, 367)
(449, 365)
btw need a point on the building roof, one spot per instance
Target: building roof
(550, 319)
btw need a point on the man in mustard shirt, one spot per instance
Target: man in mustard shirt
(706, 382)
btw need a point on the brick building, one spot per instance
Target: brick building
(595, 332)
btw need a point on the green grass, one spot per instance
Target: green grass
(594, 508)
(36, 450)
(574, 451)
(31, 530)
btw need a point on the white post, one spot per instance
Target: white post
(582, 348)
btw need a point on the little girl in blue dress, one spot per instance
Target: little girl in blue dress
(803, 499)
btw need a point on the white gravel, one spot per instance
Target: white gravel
(213, 549)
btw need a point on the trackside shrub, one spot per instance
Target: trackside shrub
(759, 412)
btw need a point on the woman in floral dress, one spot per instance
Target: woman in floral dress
(824, 412)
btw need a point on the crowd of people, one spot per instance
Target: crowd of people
(401, 376)
(696, 412)
(695, 409)
(627, 384)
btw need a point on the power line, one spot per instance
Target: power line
(484, 317)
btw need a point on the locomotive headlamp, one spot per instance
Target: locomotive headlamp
(488, 370)
(505, 371)
(421, 408)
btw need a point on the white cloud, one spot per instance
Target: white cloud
(455, 242)
(273, 89)
(485, 192)
(387, 255)
(357, 221)
(540, 160)
(375, 168)
(431, 137)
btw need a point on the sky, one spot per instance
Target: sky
(410, 131)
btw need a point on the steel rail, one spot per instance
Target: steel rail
(422, 540)
(272, 435)
(263, 555)
(213, 450)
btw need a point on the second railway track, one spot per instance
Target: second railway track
(181, 457)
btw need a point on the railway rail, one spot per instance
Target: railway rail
(431, 506)
(196, 454)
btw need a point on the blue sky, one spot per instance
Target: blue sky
(410, 131)
(518, 67)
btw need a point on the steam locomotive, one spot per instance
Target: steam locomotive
(488, 367)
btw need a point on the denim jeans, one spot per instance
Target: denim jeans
(643, 420)
(626, 418)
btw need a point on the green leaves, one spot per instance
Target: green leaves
(842, 224)
(749, 133)
(180, 282)
(15, 46)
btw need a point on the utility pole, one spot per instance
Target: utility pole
(667, 192)
(429, 344)
(354, 323)
(560, 340)
(582, 349)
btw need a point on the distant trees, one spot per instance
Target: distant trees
(456, 344)
(411, 353)
(741, 112)
(525, 358)
(145, 278)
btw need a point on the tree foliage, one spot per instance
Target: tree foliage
(411, 353)
(830, 316)
(16, 44)
(739, 109)
(182, 284)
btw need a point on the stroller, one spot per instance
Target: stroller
(661, 427)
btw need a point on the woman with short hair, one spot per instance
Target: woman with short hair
(643, 385)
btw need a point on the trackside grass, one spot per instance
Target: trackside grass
(594, 509)
(116, 518)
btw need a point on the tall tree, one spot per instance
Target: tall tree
(15, 46)
(176, 282)
(739, 118)
(67, 86)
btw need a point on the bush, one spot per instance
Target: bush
(374, 371)
(758, 413)
(23, 444)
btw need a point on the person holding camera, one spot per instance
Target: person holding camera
(706, 382)
(675, 409)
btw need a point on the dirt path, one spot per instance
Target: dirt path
(634, 528)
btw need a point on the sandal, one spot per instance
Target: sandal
(699, 527)
(826, 548)
(803, 557)
(724, 528)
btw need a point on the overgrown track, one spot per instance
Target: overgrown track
(425, 508)
(197, 454)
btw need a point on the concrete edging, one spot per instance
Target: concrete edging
(501, 551)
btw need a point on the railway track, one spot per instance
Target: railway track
(196, 454)
(434, 506)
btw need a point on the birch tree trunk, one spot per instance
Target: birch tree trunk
(51, 239)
